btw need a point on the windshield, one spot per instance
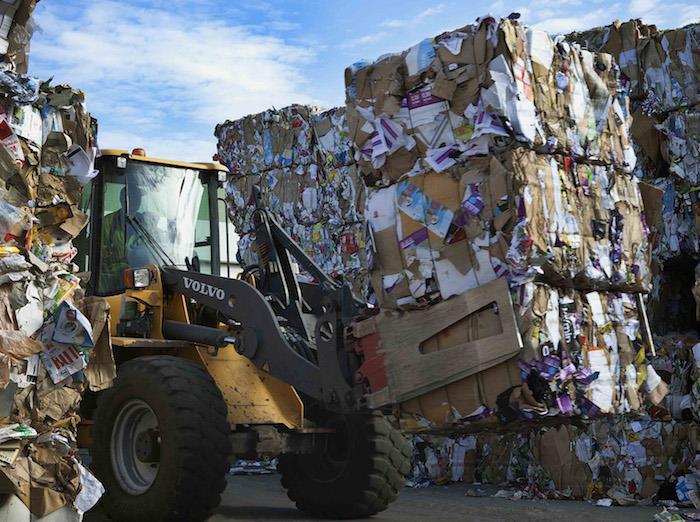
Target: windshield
(149, 216)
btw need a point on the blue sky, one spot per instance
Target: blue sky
(160, 74)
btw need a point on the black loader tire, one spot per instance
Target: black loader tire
(194, 440)
(378, 458)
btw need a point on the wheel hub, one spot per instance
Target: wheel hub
(328, 465)
(147, 446)
(135, 447)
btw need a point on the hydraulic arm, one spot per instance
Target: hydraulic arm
(294, 331)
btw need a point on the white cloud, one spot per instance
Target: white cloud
(689, 14)
(566, 24)
(163, 78)
(178, 145)
(640, 8)
(547, 5)
(576, 15)
(395, 23)
(498, 6)
(363, 40)
(432, 11)
(281, 25)
(667, 15)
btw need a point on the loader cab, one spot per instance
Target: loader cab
(145, 210)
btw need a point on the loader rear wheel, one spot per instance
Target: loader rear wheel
(358, 475)
(161, 442)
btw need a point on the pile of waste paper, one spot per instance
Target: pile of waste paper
(677, 362)
(253, 467)
(54, 342)
(303, 163)
(625, 460)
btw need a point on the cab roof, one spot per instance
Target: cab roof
(212, 165)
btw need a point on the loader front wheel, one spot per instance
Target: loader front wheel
(359, 474)
(161, 442)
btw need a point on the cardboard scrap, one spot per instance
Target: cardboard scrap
(18, 345)
(47, 148)
(61, 361)
(72, 327)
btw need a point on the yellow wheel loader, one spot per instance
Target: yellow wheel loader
(211, 367)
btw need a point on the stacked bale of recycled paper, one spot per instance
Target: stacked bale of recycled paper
(493, 152)
(303, 163)
(661, 72)
(54, 342)
(617, 458)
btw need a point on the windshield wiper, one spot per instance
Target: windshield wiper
(157, 249)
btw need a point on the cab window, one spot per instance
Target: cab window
(150, 215)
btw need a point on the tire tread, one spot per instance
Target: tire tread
(386, 462)
(196, 414)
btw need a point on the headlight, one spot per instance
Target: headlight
(137, 278)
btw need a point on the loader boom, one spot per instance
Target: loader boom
(257, 333)
(293, 331)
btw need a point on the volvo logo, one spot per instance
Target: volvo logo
(204, 289)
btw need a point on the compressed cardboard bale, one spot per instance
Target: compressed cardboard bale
(575, 223)
(661, 69)
(625, 459)
(660, 73)
(465, 93)
(302, 162)
(661, 66)
(332, 137)
(586, 222)
(584, 332)
(272, 139)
